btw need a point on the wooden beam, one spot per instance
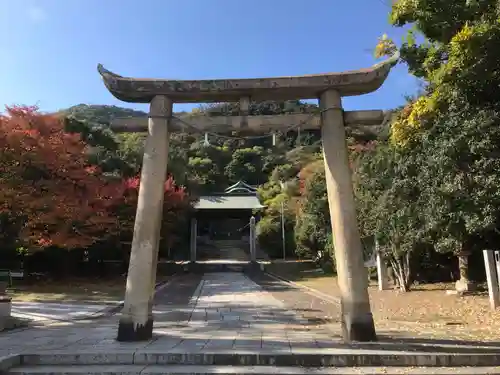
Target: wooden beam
(252, 124)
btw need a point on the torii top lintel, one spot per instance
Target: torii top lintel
(142, 90)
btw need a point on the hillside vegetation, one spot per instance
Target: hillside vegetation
(426, 183)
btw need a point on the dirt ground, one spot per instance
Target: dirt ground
(426, 311)
(71, 290)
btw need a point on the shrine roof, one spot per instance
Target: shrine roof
(241, 186)
(143, 90)
(228, 202)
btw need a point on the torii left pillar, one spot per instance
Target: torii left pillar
(136, 322)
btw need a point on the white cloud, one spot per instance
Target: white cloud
(36, 13)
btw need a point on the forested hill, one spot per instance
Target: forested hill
(203, 167)
(101, 114)
(211, 167)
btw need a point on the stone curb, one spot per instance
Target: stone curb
(244, 370)
(105, 312)
(12, 323)
(316, 358)
(108, 311)
(307, 289)
(9, 361)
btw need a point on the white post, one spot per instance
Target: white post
(283, 229)
(356, 317)
(492, 278)
(382, 276)
(136, 322)
(383, 282)
(253, 257)
(496, 255)
(194, 236)
(283, 244)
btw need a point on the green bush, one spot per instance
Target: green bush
(269, 236)
(313, 228)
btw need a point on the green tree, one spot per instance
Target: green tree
(247, 164)
(206, 167)
(457, 59)
(461, 175)
(313, 227)
(269, 228)
(447, 131)
(388, 202)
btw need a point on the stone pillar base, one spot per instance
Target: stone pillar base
(5, 307)
(359, 330)
(464, 286)
(128, 331)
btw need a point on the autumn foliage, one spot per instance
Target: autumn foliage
(47, 184)
(175, 203)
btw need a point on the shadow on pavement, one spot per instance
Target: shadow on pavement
(221, 322)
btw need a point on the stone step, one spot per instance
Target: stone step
(308, 358)
(242, 267)
(241, 370)
(236, 244)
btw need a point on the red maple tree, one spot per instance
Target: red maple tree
(45, 180)
(175, 204)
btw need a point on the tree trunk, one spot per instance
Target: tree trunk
(402, 270)
(464, 284)
(463, 267)
(392, 275)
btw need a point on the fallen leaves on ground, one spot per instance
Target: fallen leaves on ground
(427, 311)
(101, 290)
(76, 289)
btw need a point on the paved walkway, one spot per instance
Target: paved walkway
(216, 313)
(226, 311)
(232, 312)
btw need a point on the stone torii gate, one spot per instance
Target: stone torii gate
(136, 322)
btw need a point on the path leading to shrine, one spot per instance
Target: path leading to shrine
(193, 313)
(201, 313)
(220, 320)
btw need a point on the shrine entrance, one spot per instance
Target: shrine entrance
(223, 222)
(136, 322)
(225, 227)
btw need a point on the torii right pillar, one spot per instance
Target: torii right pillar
(356, 317)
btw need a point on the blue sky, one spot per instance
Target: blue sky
(50, 48)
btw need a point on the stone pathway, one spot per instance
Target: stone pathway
(224, 323)
(226, 311)
(201, 314)
(232, 312)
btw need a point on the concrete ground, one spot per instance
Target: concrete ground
(220, 311)
(217, 315)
